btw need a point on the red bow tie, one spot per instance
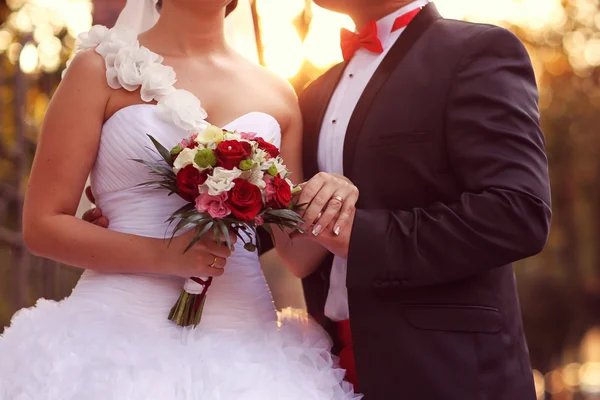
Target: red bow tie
(367, 38)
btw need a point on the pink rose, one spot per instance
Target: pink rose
(270, 191)
(248, 135)
(189, 143)
(214, 205)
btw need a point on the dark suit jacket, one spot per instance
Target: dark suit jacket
(446, 150)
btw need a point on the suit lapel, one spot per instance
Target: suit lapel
(413, 31)
(314, 122)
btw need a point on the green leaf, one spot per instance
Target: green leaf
(225, 233)
(186, 208)
(205, 228)
(164, 153)
(198, 235)
(216, 234)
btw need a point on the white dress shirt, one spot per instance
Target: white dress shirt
(358, 72)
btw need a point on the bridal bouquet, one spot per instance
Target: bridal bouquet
(233, 183)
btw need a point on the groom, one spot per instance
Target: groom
(436, 122)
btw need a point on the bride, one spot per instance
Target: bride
(111, 338)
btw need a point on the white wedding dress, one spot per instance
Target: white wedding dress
(111, 338)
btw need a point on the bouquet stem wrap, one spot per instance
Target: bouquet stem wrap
(188, 309)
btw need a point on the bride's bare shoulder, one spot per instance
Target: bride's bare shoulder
(268, 79)
(284, 88)
(87, 69)
(276, 94)
(86, 62)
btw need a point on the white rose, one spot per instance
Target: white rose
(183, 109)
(220, 181)
(185, 158)
(128, 70)
(157, 81)
(92, 38)
(212, 134)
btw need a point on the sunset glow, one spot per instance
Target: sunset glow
(321, 45)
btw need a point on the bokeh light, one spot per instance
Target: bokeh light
(540, 387)
(46, 21)
(322, 44)
(28, 59)
(282, 45)
(590, 377)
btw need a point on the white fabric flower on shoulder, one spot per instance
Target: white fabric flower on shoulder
(92, 38)
(184, 110)
(129, 67)
(220, 181)
(157, 81)
(115, 40)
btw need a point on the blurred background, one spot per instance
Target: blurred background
(559, 289)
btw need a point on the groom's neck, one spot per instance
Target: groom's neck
(367, 11)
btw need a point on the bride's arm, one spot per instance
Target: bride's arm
(64, 157)
(302, 255)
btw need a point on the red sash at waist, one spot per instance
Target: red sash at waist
(347, 352)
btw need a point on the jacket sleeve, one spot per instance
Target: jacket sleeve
(496, 151)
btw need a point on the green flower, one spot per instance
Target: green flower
(205, 158)
(272, 170)
(176, 150)
(246, 165)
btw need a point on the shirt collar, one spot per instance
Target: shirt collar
(385, 24)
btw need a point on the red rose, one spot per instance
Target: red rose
(188, 180)
(266, 146)
(231, 152)
(283, 193)
(245, 200)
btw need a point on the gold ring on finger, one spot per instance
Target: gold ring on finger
(338, 198)
(212, 265)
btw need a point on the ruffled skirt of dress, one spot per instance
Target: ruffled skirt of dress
(63, 351)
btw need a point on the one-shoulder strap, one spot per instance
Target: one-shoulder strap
(133, 67)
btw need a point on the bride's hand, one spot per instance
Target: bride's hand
(205, 258)
(331, 200)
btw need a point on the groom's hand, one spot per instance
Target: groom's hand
(94, 215)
